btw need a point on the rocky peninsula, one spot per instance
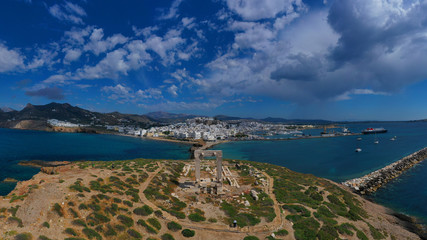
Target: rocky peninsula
(148, 199)
(372, 181)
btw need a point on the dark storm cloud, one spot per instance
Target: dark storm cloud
(53, 93)
(301, 67)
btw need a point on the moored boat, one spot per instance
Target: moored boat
(374, 130)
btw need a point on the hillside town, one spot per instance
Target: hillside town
(206, 128)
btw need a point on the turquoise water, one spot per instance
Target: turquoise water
(335, 159)
(17, 145)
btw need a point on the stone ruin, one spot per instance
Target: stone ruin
(214, 187)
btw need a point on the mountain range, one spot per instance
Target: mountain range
(37, 115)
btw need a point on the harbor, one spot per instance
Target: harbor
(372, 181)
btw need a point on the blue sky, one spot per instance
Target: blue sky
(340, 60)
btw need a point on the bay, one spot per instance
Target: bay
(18, 145)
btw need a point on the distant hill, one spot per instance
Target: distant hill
(65, 112)
(7, 109)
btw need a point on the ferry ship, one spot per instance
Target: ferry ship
(374, 130)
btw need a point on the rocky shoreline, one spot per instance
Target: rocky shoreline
(372, 181)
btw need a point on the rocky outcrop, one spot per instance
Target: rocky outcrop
(48, 170)
(40, 163)
(371, 182)
(10, 180)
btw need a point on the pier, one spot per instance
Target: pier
(372, 181)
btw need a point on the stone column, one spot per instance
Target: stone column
(197, 165)
(218, 155)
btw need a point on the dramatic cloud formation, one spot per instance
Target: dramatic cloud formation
(233, 52)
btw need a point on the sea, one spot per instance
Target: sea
(333, 158)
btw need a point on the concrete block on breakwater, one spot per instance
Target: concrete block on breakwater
(372, 181)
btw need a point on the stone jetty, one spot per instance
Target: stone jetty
(372, 181)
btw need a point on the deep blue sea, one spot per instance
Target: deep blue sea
(18, 145)
(335, 158)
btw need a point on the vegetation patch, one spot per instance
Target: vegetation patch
(188, 233)
(174, 226)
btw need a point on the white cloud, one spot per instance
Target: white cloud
(256, 9)
(10, 59)
(347, 95)
(188, 22)
(111, 66)
(173, 11)
(98, 45)
(44, 57)
(72, 55)
(68, 12)
(124, 94)
(173, 90)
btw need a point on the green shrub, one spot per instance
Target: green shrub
(58, 209)
(46, 225)
(212, 220)
(110, 231)
(149, 228)
(120, 228)
(128, 203)
(83, 206)
(74, 238)
(361, 235)
(79, 222)
(17, 220)
(24, 236)
(282, 232)
(167, 236)
(43, 237)
(90, 233)
(125, 220)
(250, 238)
(70, 231)
(375, 233)
(327, 233)
(345, 229)
(143, 211)
(188, 233)
(297, 209)
(134, 234)
(155, 223)
(158, 213)
(196, 217)
(173, 226)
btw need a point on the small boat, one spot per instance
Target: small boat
(392, 139)
(376, 142)
(359, 139)
(358, 150)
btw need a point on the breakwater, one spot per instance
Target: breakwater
(372, 181)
